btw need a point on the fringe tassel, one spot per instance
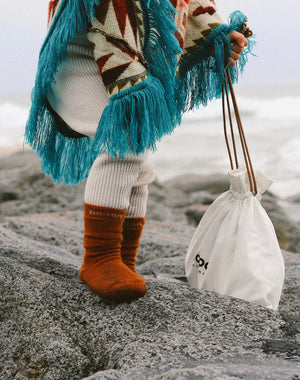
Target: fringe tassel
(71, 17)
(135, 120)
(65, 159)
(201, 76)
(161, 48)
(61, 157)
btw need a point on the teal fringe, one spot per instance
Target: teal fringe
(65, 159)
(70, 18)
(61, 157)
(161, 47)
(135, 120)
(201, 76)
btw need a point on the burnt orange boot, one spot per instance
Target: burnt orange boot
(102, 269)
(132, 231)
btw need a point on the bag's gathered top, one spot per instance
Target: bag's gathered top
(155, 60)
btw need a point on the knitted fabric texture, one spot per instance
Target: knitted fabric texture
(77, 93)
(120, 183)
(102, 268)
(132, 232)
(155, 63)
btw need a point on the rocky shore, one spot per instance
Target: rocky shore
(54, 327)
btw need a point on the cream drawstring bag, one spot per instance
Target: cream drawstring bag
(234, 250)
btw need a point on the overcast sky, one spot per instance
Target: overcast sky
(23, 28)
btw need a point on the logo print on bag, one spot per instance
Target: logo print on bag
(201, 264)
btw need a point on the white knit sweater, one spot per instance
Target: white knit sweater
(78, 94)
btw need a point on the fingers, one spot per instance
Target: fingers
(236, 49)
(238, 42)
(238, 39)
(231, 62)
(235, 55)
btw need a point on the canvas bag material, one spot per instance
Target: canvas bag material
(234, 250)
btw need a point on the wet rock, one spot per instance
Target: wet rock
(164, 240)
(287, 230)
(292, 209)
(160, 212)
(166, 203)
(18, 160)
(6, 196)
(223, 368)
(294, 198)
(290, 300)
(203, 197)
(31, 191)
(63, 229)
(215, 184)
(170, 268)
(168, 195)
(195, 213)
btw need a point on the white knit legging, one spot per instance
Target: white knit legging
(121, 183)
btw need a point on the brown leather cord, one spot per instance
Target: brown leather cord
(248, 162)
(240, 128)
(241, 137)
(231, 123)
(249, 167)
(225, 127)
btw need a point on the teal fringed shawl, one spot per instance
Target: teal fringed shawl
(138, 117)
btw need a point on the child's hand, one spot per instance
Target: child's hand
(238, 42)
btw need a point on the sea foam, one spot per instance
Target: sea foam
(12, 123)
(281, 108)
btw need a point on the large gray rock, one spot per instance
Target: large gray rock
(167, 203)
(24, 188)
(291, 208)
(191, 183)
(287, 229)
(224, 369)
(294, 198)
(64, 229)
(54, 327)
(164, 239)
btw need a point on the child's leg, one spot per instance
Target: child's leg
(110, 181)
(135, 219)
(107, 199)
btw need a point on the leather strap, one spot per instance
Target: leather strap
(227, 84)
(62, 127)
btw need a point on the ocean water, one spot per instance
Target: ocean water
(271, 120)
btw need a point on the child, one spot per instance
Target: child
(113, 78)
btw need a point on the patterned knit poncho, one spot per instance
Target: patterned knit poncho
(155, 60)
